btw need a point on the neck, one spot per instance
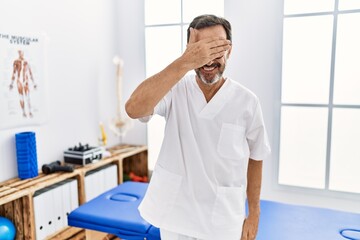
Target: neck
(209, 91)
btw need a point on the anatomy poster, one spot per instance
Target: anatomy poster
(22, 80)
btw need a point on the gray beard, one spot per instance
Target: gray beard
(217, 77)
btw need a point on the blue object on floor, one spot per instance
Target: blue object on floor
(7, 229)
(116, 212)
(281, 221)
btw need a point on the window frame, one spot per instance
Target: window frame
(326, 192)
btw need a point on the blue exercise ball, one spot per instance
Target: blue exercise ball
(7, 229)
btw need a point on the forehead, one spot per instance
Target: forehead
(213, 31)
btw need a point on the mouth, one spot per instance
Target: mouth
(210, 68)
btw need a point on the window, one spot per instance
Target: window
(166, 23)
(320, 95)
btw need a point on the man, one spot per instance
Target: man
(22, 73)
(213, 145)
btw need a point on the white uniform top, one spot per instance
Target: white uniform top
(198, 186)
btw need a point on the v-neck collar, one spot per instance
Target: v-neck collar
(217, 102)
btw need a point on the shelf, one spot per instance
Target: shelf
(16, 195)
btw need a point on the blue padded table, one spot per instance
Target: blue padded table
(281, 221)
(115, 212)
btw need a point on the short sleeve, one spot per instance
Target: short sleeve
(162, 108)
(257, 136)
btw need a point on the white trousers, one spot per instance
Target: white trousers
(166, 235)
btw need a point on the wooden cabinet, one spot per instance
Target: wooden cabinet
(16, 196)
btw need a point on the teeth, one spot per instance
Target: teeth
(209, 68)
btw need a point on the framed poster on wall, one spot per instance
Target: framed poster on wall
(22, 80)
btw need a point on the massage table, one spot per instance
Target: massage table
(115, 212)
(279, 221)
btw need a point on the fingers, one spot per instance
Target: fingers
(219, 51)
(226, 44)
(198, 53)
(244, 231)
(247, 236)
(217, 41)
(192, 37)
(218, 47)
(248, 231)
(212, 41)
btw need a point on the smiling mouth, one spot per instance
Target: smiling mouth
(210, 68)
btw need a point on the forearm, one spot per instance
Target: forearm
(12, 81)
(254, 176)
(13, 76)
(145, 97)
(31, 76)
(152, 90)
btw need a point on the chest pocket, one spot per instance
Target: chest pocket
(232, 143)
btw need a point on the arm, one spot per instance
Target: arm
(13, 75)
(251, 223)
(31, 76)
(145, 97)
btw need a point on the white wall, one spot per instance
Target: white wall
(80, 74)
(131, 34)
